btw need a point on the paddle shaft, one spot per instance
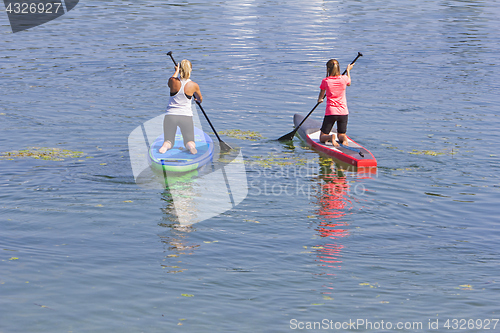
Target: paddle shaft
(224, 146)
(290, 135)
(208, 120)
(352, 63)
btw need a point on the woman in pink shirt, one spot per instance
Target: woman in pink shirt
(334, 86)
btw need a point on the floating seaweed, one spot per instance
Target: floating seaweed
(270, 161)
(425, 152)
(42, 153)
(243, 135)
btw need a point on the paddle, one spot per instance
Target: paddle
(289, 136)
(224, 147)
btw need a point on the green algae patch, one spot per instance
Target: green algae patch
(243, 135)
(271, 161)
(42, 153)
(425, 152)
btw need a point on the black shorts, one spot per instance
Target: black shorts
(329, 121)
(185, 123)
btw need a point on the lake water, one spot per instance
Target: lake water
(83, 248)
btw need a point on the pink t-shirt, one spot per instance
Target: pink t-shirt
(336, 103)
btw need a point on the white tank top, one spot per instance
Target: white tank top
(179, 104)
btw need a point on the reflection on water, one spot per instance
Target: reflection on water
(222, 186)
(176, 242)
(335, 201)
(180, 198)
(196, 196)
(176, 236)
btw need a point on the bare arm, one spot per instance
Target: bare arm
(321, 95)
(349, 67)
(174, 76)
(197, 93)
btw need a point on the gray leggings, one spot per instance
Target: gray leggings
(170, 123)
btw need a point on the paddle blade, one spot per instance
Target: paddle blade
(287, 137)
(224, 147)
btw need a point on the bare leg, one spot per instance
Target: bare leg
(166, 146)
(343, 139)
(192, 147)
(327, 137)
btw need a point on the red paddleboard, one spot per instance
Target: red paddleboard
(353, 154)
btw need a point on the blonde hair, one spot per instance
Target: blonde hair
(332, 68)
(185, 69)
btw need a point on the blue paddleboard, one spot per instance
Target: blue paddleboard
(178, 158)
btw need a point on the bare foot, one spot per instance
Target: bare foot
(191, 146)
(166, 146)
(330, 142)
(343, 139)
(324, 138)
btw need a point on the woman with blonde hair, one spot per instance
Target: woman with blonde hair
(179, 111)
(334, 85)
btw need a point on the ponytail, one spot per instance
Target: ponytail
(332, 68)
(185, 69)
